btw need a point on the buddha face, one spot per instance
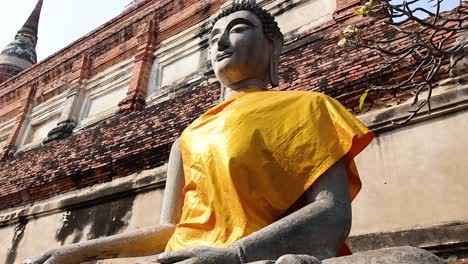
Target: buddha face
(239, 50)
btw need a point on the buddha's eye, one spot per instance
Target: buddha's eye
(239, 29)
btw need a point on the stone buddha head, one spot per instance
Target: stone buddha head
(245, 44)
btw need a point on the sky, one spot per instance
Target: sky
(61, 23)
(429, 5)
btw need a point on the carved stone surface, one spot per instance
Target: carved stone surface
(397, 255)
(62, 130)
(400, 255)
(291, 259)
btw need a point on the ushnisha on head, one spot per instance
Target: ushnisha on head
(245, 45)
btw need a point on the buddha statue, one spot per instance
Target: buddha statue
(263, 177)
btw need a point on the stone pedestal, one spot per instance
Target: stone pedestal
(397, 255)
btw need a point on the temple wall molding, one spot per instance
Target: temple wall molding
(446, 99)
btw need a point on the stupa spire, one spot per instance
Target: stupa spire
(20, 54)
(32, 24)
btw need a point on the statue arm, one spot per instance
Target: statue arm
(143, 242)
(173, 197)
(318, 229)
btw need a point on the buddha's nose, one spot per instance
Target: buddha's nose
(223, 42)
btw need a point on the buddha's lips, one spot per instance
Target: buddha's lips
(223, 55)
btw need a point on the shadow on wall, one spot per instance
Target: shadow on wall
(103, 220)
(17, 237)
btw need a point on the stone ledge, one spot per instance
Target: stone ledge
(442, 240)
(446, 99)
(401, 255)
(132, 184)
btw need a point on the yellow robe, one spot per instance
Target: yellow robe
(248, 159)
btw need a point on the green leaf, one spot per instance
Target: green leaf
(349, 29)
(360, 11)
(363, 98)
(342, 42)
(364, 9)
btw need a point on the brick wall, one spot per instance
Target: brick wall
(122, 38)
(113, 148)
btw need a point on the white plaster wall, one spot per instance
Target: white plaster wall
(5, 128)
(6, 236)
(107, 100)
(39, 236)
(413, 177)
(146, 210)
(104, 91)
(3, 141)
(39, 131)
(41, 119)
(40, 233)
(308, 14)
(181, 68)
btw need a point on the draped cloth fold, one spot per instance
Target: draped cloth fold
(248, 159)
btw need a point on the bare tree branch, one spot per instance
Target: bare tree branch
(417, 39)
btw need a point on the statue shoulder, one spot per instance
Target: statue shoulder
(299, 93)
(303, 96)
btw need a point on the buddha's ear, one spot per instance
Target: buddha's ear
(278, 42)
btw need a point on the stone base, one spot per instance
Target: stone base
(397, 255)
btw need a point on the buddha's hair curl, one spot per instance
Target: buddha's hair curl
(270, 26)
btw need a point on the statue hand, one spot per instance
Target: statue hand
(200, 255)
